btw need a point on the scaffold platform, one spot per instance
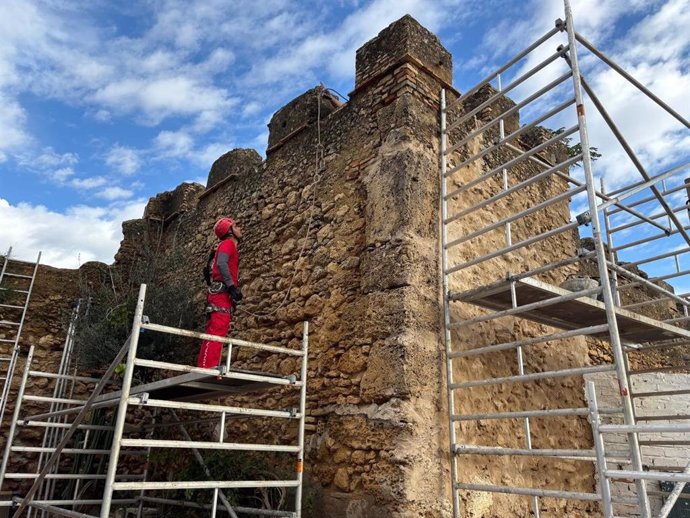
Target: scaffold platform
(196, 386)
(568, 313)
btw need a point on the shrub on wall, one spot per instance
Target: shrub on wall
(108, 313)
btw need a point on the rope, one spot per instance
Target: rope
(316, 178)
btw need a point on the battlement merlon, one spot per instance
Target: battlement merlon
(404, 41)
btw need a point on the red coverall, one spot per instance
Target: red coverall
(218, 322)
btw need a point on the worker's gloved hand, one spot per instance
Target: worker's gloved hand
(235, 293)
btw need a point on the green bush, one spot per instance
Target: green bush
(229, 465)
(106, 319)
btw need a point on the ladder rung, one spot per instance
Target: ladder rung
(74, 451)
(671, 417)
(18, 275)
(21, 261)
(204, 445)
(679, 392)
(12, 306)
(6, 340)
(5, 359)
(8, 323)
(469, 449)
(15, 291)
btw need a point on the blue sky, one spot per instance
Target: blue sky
(103, 104)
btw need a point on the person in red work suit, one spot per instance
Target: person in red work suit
(223, 292)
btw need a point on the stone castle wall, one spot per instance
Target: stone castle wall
(350, 246)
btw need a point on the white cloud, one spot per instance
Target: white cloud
(209, 153)
(102, 115)
(13, 134)
(48, 159)
(123, 159)
(173, 144)
(61, 175)
(114, 193)
(252, 108)
(56, 167)
(94, 233)
(180, 144)
(159, 98)
(89, 183)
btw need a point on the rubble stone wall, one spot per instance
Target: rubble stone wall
(351, 246)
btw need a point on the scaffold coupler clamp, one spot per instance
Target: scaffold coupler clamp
(144, 320)
(143, 398)
(292, 379)
(293, 412)
(560, 24)
(585, 218)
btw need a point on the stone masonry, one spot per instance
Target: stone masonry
(350, 245)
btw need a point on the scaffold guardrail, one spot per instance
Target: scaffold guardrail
(188, 392)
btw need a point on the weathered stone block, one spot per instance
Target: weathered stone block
(402, 38)
(234, 163)
(299, 113)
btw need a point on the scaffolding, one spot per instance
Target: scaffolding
(16, 284)
(503, 272)
(77, 475)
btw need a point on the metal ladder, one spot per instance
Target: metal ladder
(63, 389)
(14, 284)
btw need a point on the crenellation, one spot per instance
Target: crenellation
(313, 105)
(232, 164)
(401, 41)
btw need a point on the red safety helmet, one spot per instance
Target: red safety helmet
(223, 226)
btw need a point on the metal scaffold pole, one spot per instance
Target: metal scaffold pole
(616, 346)
(302, 419)
(122, 406)
(446, 309)
(594, 418)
